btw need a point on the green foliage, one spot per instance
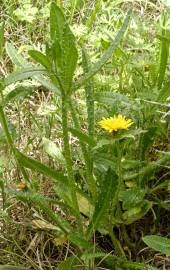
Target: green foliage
(108, 53)
(158, 243)
(63, 49)
(101, 181)
(164, 50)
(39, 167)
(53, 150)
(18, 92)
(68, 264)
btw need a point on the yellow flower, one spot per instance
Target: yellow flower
(115, 123)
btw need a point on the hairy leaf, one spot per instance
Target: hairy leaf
(20, 62)
(164, 93)
(41, 168)
(26, 73)
(18, 92)
(41, 202)
(158, 243)
(69, 264)
(57, 22)
(40, 58)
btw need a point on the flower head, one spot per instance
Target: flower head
(115, 123)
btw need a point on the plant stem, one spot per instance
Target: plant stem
(126, 237)
(89, 174)
(67, 155)
(116, 243)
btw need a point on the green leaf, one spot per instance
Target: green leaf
(18, 92)
(132, 197)
(110, 98)
(42, 203)
(158, 243)
(70, 57)
(82, 136)
(20, 62)
(15, 57)
(146, 140)
(85, 205)
(87, 256)
(12, 130)
(79, 241)
(69, 264)
(106, 56)
(41, 168)
(1, 38)
(25, 73)
(64, 49)
(149, 171)
(108, 192)
(164, 54)
(40, 58)
(89, 89)
(137, 212)
(164, 92)
(57, 22)
(53, 151)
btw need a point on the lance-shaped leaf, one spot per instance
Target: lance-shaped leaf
(23, 74)
(63, 48)
(40, 58)
(21, 63)
(57, 22)
(158, 243)
(18, 92)
(41, 168)
(43, 205)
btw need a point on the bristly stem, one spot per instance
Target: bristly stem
(89, 90)
(89, 174)
(116, 243)
(67, 155)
